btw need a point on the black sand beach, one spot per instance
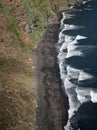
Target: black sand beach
(52, 103)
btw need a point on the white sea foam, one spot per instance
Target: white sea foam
(60, 41)
(84, 2)
(72, 73)
(61, 57)
(63, 74)
(61, 35)
(63, 47)
(74, 47)
(69, 38)
(85, 76)
(62, 20)
(83, 94)
(74, 53)
(68, 84)
(71, 27)
(79, 37)
(66, 15)
(74, 44)
(66, 41)
(93, 96)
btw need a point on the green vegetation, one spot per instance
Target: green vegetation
(12, 26)
(5, 10)
(38, 12)
(37, 17)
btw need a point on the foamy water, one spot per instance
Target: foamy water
(77, 48)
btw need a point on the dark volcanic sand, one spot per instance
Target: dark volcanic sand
(52, 103)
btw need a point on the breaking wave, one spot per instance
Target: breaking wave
(77, 58)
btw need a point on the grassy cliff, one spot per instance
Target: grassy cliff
(22, 26)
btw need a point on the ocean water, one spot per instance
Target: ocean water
(77, 58)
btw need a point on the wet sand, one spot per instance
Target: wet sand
(52, 103)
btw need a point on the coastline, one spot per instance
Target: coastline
(52, 103)
(18, 80)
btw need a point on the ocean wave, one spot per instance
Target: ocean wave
(77, 58)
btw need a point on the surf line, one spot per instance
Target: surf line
(69, 49)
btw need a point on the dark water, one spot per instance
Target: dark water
(77, 47)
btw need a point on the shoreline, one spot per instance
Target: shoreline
(51, 113)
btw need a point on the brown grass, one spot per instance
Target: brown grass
(17, 73)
